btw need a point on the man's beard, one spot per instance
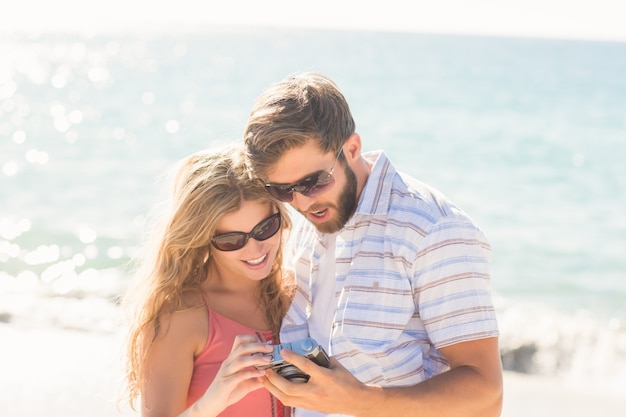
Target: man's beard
(346, 205)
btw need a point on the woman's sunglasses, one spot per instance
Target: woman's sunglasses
(315, 184)
(236, 240)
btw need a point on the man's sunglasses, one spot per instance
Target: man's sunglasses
(236, 240)
(315, 184)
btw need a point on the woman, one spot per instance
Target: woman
(210, 296)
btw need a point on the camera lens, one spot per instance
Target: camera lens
(293, 374)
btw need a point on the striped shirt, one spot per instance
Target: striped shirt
(412, 276)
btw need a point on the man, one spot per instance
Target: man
(393, 278)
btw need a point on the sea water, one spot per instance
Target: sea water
(528, 136)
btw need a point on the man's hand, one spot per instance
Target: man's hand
(472, 387)
(331, 390)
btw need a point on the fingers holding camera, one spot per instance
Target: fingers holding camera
(301, 362)
(238, 374)
(247, 344)
(329, 390)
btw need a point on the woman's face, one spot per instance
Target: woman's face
(254, 260)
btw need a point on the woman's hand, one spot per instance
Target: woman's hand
(237, 376)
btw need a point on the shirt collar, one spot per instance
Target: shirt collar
(375, 195)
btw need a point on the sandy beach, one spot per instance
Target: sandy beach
(56, 372)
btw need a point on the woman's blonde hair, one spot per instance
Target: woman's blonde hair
(207, 185)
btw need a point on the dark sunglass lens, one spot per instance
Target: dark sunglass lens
(230, 242)
(237, 240)
(280, 193)
(306, 184)
(272, 227)
(323, 184)
(316, 184)
(267, 228)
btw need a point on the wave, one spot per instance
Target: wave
(534, 338)
(580, 347)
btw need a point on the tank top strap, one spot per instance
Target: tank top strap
(206, 301)
(218, 320)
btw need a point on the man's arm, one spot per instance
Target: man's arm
(472, 387)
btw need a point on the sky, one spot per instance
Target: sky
(570, 19)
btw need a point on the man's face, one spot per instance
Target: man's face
(330, 210)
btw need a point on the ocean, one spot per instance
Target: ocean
(528, 136)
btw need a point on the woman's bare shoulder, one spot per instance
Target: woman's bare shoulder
(187, 321)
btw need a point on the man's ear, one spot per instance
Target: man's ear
(352, 147)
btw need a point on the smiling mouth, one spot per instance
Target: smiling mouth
(256, 261)
(319, 213)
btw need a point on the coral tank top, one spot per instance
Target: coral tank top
(222, 333)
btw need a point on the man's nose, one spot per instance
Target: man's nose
(301, 202)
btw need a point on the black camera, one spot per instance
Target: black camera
(308, 348)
